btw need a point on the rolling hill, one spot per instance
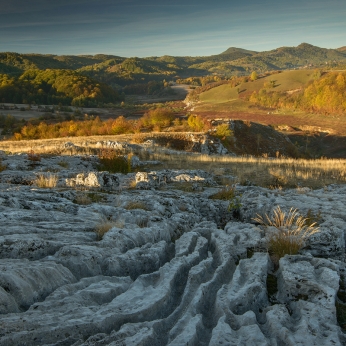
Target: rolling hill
(232, 61)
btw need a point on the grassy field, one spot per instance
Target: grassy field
(284, 81)
(272, 173)
(275, 173)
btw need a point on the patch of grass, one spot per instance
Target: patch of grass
(84, 198)
(132, 184)
(112, 162)
(227, 193)
(63, 164)
(287, 80)
(259, 170)
(136, 205)
(46, 181)
(292, 231)
(103, 227)
(187, 186)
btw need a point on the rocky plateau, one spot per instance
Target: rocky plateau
(175, 267)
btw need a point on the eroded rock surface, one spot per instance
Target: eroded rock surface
(174, 268)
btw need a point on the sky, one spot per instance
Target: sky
(145, 28)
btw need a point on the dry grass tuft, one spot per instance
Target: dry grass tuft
(266, 172)
(132, 184)
(136, 205)
(46, 181)
(292, 231)
(103, 227)
(227, 193)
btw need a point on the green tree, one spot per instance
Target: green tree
(254, 75)
(223, 131)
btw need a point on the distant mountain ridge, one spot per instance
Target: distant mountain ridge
(119, 71)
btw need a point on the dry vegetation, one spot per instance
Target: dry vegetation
(136, 205)
(268, 172)
(46, 180)
(103, 227)
(262, 171)
(292, 230)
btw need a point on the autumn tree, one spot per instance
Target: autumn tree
(254, 76)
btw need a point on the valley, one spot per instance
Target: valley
(173, 200)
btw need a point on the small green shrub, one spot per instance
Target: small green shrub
(234, 206)
(223, 131)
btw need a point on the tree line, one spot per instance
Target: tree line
(153, 120)
(52, 86)
(324, 95)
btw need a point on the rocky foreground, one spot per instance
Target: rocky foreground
(175, 267)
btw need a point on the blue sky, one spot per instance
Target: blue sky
(180, 27)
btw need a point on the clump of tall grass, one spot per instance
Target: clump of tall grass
(46, 181)
(103, 226)
(292, 230)
(136, 205)
(225, 194)
(112, 162)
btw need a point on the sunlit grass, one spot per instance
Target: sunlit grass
(268, 172)
(292, 231)
(46, 181)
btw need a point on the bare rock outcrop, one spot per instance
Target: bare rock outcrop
(172, 267)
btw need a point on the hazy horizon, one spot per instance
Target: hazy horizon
(183, 28)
